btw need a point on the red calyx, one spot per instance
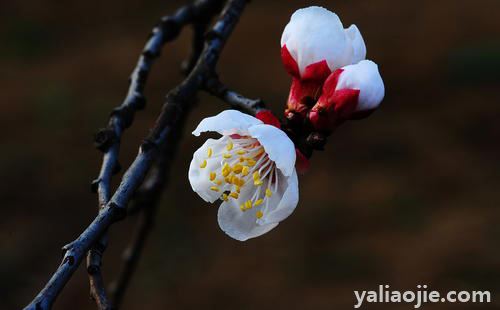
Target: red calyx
(267, 117)
(306, 88)
(301, 163)
(334, 106)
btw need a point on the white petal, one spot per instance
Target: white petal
(277, 145)
(286, 205)
(199, 178)
(365, 77)
(357, 42)
(315, 34)
(245, 225)
(227, 122)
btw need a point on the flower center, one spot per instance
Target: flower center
(245, 169)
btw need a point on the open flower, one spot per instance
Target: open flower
(352, 92)
(251, 169)
(313, 45)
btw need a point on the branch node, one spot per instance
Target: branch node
(104, 138)
(125, 114)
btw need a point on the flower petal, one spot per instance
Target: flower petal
(365, 77)
(286, 205)
(357, 42)
(199, 178)
(315, 34)
(227, 122)
(245, 225)
(277, 145)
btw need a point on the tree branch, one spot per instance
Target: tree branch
(215, 87)
(108, 139)
(178, 102)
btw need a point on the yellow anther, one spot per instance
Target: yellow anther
(227, 155)
(258, 183)
(251, 162)
(258, 202)
(226, 170)
(218, 182)
(241, 152)
(224, 197)
(237, 168)
(234, 195)
(214, 188)
(241, 183)
(259, 214)
(237, 189)
(203, 164)
(213, 175)
(229, 145)
(269, 193)
(228, 180)
(256, 176)
(248, 204)
(242, 208)
(245, 171)
(209, 152)
(241, 159)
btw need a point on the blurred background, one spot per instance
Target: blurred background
(408, 196)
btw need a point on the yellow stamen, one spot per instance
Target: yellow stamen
(258, 183)
(258, 202)
(251, 162)
(237, 168)
(214, 188)
(237, 189)
(256, 176)
(242, 208)
(234, 195)
(227, 155)
(213, 175)
(203, 164)
(248, 204)
(209, 152)
(229, 145)
(226, 170)
(245, 171)
(241, 152)
(228, 180)
(224, 197)
(259, 214)
(218, 182)
(269, 193)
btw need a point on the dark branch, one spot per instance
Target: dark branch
(108, 139)
(178, 102)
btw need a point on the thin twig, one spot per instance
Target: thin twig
(215, 87)
(147, 200)
(177, 104)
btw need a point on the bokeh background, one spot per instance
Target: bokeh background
(408, 196)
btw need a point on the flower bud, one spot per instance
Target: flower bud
(314, 44)
(352, 92)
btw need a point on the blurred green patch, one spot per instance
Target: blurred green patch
(478, 64)
(25, 39)
(53, 104)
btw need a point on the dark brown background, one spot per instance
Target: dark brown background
(406, 197)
